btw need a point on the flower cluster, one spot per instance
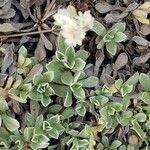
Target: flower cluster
(73, 26)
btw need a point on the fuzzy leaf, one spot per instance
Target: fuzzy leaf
(141, 117)
(48, 76)
(46, 100)
(98, 28)
(79, 64)
(10, 123)
(133, 79)
(89, 82)
(111, 47)
(82, 54)
(68, 113)
(119, 37)
(67, 78)
(79, 93)
(54, 65)
(137, 128)
(146, 97)
(68, 99)
(80, 109)
(115, 144)
(145, 81)
(3, 105)
(120, 27)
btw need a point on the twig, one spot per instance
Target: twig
(25, 34)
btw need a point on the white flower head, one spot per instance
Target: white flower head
(86, 21)
(73, 34)
(62, 18)
(73, 26)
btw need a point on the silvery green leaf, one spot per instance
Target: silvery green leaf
(48, 76)
(62, 46)
(54, 65)
(82, 54)
(117, 106)
(115, 144)
(105, 141)
(89, 82)
(34, 95)
(137, 128)
(68, 99)
(133, 79)
(79, 64)
(125, 118)
(30, 119)
(28, 132)
(68, 113)
(80, 109)
(145, 81)
(146, 97)
(55, 118)
(67, 78)
(98, 28)
(23, 51)
(118, 83)
(111, 47)
(60, 56)
(122, 147)
(3, 105)
(38, 79)
(60, 90)
(119, 26)
(39, 141)
(54, 109)
(79, 93)
(141, 117)
(10, 123)
(46, 100)
(119, 37)
(53, 133)
(38, 125)
(125, 89)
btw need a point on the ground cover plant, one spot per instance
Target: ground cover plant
(74, 75)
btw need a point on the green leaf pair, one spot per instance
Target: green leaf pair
(127, 87)
(66, 57)
(111, 37)
(110, 113)
(42, 90)
(23, 61)
(53, 127)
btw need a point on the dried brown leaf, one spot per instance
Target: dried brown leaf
(99, 59)
(46, 42)
(11, 13)
(140, 41)
(104, 7)
(7, 27)
(3, 78)
(40, 52)
(8, 59)
(142, 59)
(116, 16)
(121, 61)
(145, 29)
